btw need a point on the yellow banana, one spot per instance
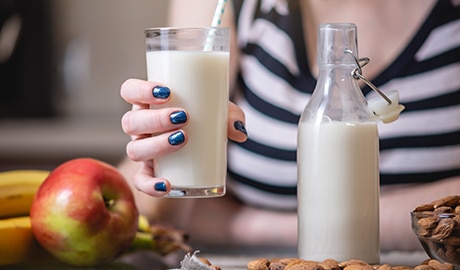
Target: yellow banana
(17, 190)
(17, 242)
(18, 245)
(143, 224)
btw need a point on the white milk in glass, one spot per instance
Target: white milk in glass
(338, 163)
(199, 83)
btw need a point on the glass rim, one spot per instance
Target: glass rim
(176, 28)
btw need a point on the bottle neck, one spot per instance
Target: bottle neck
(337, 77)
(338, 97)
(337, 44)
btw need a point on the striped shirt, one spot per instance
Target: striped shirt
(275, 83)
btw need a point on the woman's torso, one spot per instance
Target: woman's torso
(276, 78)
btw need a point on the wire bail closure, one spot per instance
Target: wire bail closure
(357, 74)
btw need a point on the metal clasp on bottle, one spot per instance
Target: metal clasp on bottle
(385, 112)
(357, 74)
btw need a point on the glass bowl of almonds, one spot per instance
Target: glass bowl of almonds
(437, 226)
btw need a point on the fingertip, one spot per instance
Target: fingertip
(137, 91)
(236, 124)
(239, 132)
(177, 138)
(155, 187)
(158, 188)
(239, 126)
(161, 92)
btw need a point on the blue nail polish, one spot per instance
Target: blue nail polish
(178, 117)
(176, 138)
(240, 127)
(160, 186)
(161, 92)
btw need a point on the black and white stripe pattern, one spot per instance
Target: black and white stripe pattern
(275, 84)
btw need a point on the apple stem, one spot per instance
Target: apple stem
(109, 202)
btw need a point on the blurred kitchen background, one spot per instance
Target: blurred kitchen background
(61, 66)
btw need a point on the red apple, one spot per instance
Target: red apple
(84, 213)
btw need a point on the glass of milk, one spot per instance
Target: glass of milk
(194, 64)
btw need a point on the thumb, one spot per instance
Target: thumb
(236, 123)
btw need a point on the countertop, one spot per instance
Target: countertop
(237, 259)
(227, 259)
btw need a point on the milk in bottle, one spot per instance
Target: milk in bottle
(337, 155)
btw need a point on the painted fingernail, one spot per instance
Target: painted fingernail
(178, 117)
(161, 92)
(160, 186)
(238, 125)
(176, 138)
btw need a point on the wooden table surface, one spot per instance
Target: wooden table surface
(236, 259)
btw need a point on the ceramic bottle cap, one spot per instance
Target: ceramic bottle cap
(384, 111)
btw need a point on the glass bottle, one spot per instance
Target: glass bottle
(338, 158)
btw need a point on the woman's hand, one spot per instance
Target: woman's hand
(158, 132)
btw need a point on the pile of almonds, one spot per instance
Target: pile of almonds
(438, 227)
(330, 264)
